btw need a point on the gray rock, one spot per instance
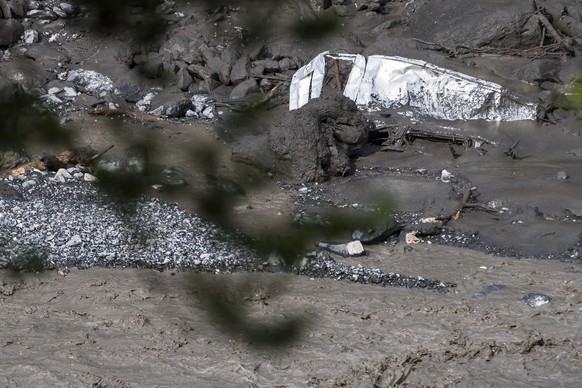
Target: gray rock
(239, 71)
(208, 53)
(62, 175)
(344, 10)
(229, 55)
(183, 79)
(539, 70)
(10, 31)
(199, 71)
(257, 70)
(269, 65)
(46, 14)
(244, 89)
(287, 64)
(17, 7)
(571, 70)
(217, 66)
(69, 9)
(266, 84)
(5, 12)
(210, 84)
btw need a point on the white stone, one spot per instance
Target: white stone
(411, 239)
(62, 175)
(89, 178)
(355, 248)
(70, 92)
(31, 36)
(446, 176)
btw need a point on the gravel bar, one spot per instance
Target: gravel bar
(65, 219)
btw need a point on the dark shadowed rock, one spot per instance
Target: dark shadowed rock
(183, 79)
(199, 71)
(539, 70)
(217, 66)
(239, 71)
(178, 109)
(10, 31)
(5, 12)
(269, 65)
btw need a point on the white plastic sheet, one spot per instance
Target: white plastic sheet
(424, 88)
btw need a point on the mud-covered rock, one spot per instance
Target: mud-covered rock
(475, 23)
(10, 31)
(314, 142)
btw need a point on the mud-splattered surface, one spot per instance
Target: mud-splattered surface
(143, 328)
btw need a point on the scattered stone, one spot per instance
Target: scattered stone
(535, 299)
(408, 248)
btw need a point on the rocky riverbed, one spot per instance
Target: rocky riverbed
(476, 207)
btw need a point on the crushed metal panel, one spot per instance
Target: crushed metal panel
(394, 82)
(307, 82)
(397, 82)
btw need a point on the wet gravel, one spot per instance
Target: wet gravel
(64, 220)
(72, 224)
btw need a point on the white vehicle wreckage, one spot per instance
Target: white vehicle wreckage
(380, 82)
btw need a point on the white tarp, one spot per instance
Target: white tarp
(397, 82)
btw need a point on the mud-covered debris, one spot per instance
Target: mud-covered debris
(376, 234)
(488, 289)
(353, 248)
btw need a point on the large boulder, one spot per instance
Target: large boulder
(476, 23)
